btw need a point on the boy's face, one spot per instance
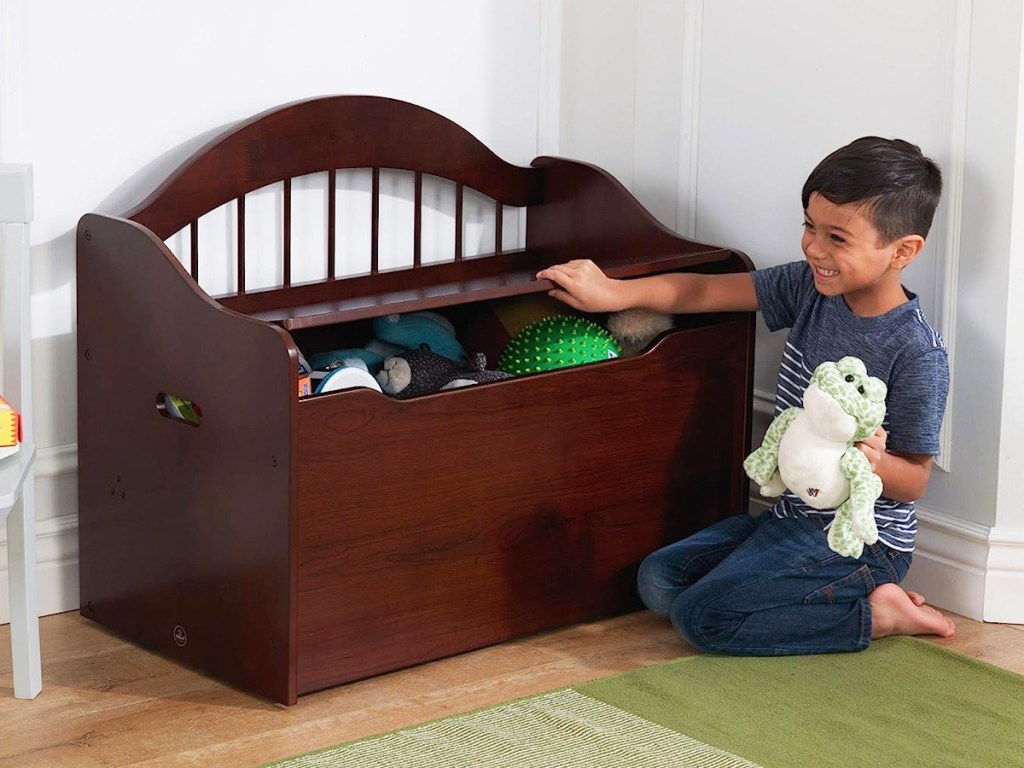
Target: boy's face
(848, 258)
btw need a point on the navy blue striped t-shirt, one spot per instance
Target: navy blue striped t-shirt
(899, 347)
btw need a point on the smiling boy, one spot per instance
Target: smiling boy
(770, 585)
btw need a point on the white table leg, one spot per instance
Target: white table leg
(21, 575)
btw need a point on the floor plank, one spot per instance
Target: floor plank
(108, 703)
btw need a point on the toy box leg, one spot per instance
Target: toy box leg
(21, 574)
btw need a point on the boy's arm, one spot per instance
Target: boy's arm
(904, 475)
(915, 404)
(581, 284)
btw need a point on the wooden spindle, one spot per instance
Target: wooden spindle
(417, 222)
(287, 245)
(193, 230)
(499, 211)
(240, 249)
(331, 221)
(375, 222)
(458, 221)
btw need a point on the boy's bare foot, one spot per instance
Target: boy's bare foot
(896, 612)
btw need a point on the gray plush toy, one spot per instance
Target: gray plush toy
(422, 371)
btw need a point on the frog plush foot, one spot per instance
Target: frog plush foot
(841, 538)
(774, 486)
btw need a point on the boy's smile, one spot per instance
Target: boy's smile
(844, 249)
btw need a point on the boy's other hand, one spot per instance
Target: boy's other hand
(874, 448)
(581, 284)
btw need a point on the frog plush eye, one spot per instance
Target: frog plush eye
(849, 377)
(861, 390)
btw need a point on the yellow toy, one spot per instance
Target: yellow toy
(10, 429)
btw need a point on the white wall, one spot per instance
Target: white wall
(765, 90)
(620, 105)
(105, 97)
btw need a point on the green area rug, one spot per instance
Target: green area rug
(903, 702)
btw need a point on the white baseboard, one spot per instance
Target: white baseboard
(1004, 581)
(56, 567)
(949, 563)
(56, 461)
(56, 534)
(968, 568)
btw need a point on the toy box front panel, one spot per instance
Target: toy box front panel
(432, 526)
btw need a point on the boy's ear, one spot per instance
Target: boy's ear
(907, 248)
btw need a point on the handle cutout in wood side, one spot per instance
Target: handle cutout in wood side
(179, 409)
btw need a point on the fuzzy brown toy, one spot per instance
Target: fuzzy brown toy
(635, 328)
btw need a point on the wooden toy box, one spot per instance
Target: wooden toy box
(286, 545)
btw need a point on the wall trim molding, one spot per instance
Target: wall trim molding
(968, 568)
(689, 119)
(948, 275)
(949, 563)
(56, 539)
(56, 461)
(50, 463)
(56, 567)
(1004, 577)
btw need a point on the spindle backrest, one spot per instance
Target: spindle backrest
(323, 136)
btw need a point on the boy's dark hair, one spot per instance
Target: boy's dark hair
(899, 185)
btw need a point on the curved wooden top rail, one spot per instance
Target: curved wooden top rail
(326, 134)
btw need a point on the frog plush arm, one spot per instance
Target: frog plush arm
(762, 466)
(854, 522)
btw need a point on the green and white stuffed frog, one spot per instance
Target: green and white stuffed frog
(811, 452)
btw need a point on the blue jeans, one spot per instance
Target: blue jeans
(767, 586)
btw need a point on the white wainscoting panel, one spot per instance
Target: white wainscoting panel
(56, 534)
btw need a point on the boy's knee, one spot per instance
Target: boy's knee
(656, 590)
(700, 624)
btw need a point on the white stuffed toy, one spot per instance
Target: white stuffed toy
(811, 452)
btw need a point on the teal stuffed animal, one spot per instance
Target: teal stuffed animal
(811, 452)
(412, 330)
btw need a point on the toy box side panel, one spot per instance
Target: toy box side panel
(185, 542)
(433, 526)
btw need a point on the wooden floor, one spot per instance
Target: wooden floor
(108, 703)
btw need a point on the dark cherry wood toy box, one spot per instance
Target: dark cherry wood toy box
(289, 544)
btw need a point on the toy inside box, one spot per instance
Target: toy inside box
(419, 353)
(10, 429)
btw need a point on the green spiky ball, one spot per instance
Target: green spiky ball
(558, 341)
